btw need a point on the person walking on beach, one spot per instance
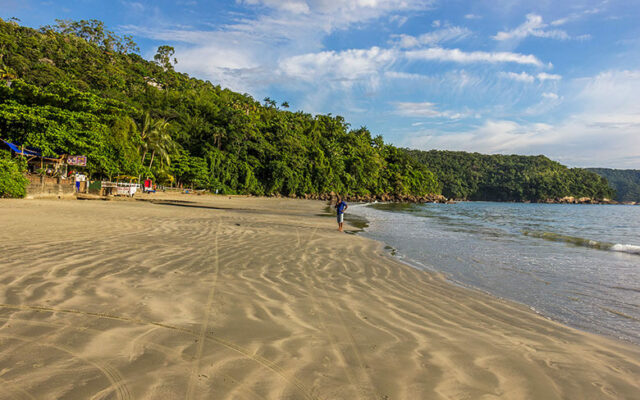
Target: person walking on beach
(341, 206)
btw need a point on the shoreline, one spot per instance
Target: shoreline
(464, 276)
(258, 297)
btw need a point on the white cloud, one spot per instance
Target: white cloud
(525, 77)
(344, 66)
(494, 136)
(399, 19)
(533, 26)
(472, 16)
(448, 34)
(543, 76)
(133, 6)
(405, 75)
(577, 15)
(521, 77)
(242, 55)
(424, 110)
(342, 9)
(603, 130)
(458, 56)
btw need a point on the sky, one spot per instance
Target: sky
(559, 78)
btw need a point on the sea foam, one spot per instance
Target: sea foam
(626, 248)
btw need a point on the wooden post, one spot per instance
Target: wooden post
(42, 174)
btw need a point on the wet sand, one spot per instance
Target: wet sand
(248, 298)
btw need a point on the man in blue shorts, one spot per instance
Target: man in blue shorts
(341, 206)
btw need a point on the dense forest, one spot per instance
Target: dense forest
(78, 88)
(473, 176)
(626, 182)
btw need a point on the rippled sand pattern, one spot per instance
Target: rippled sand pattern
(260, 299)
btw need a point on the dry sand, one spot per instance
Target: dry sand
(262, 299)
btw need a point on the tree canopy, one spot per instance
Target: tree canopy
(626, 182)
(78, 88)
(474, 176)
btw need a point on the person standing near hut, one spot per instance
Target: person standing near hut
(80, 178)
(77, 178)
(341, 207)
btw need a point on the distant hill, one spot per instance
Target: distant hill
(497, 177)
(626, 182)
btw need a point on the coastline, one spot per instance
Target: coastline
(498, 258)
(256, 297)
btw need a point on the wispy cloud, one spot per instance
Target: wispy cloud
(344, 66)
(244, 54)
(533, 26)
(425, 110)
(133, 6)
(579, 15)
(603, 131)
(543, 76)
(342, 11)
(459, 56)
(448, 34)
(521, 77)
(528, 78)
(405, 75)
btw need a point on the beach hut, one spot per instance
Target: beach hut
(126, 185)
(35, 160)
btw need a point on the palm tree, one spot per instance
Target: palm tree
(151, 130)
(160, 142)
(5, 73)
(155, 138)
(145, 128)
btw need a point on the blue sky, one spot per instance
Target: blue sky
(544, 77)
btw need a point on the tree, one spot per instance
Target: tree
(154, 138)
(270, 103)
(161, 143)
(163, 57)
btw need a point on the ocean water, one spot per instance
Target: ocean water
(576, 264)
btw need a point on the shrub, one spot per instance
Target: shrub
(12, 181)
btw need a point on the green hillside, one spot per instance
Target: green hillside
(77, 88)
(626, 182)
(474, 176)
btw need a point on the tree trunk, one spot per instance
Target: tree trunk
(152, 155)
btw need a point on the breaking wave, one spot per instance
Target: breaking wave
(578, 241)
(626, 248)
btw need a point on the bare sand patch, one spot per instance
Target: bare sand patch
(243, 298)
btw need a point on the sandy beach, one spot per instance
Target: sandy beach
(250, 298)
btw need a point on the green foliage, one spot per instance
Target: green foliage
(58, 119)
(474, 176)
(12, 181)
(163, 57)
(77, 88)
(626, 182)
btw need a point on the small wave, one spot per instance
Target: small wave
(626, 248)
(578, 241)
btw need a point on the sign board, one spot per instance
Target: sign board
(80, 161)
